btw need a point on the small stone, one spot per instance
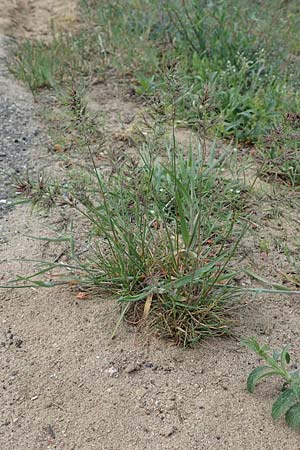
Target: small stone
(170, 406)
(132, 368)
(18, 343)
(169, 431)
(112, 371)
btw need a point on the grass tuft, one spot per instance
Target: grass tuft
(165, 248)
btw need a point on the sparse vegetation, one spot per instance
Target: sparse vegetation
(224, 70)
(233, 67)
(169, 187)
(218, 51)
(48, 65)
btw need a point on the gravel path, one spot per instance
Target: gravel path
(18, 131)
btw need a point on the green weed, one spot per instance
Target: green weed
(288, 402)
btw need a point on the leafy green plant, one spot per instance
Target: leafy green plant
(244, 88)
(288, 402)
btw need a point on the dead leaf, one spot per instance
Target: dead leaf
(82, 295)
(58, 148)
(73, 282)
(147, 306)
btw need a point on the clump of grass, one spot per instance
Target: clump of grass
(164, 248)
(38, 64)
(65, 58)
(281, 152)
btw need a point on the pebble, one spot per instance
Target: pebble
(168, 431)
(132, 368)
(112, 371)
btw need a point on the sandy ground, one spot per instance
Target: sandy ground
(66, 385)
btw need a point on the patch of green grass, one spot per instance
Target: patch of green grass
(216, 51)
(282, 151)
(65, 59)
(233, 66)
(37, 64)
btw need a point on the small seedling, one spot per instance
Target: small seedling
(288, 402)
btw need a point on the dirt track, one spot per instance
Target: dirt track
(66, 385)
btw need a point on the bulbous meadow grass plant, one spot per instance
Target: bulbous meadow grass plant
(163, 232)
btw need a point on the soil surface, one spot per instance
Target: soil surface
(65, 385)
